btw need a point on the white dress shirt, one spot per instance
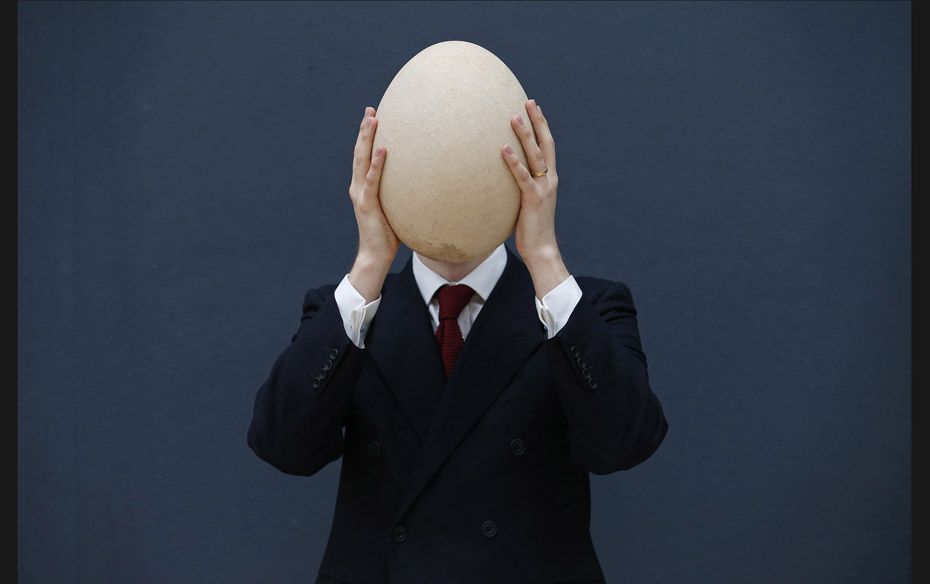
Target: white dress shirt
(553, 310)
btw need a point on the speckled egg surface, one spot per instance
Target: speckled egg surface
(445, 188)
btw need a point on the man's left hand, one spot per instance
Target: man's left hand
(535, 230)
(534, 234)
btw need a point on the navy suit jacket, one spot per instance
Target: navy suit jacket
(481, 478)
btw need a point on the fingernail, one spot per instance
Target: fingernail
(539, 109)
(508, 149)
(520, 120)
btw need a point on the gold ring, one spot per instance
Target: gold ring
(543, 173)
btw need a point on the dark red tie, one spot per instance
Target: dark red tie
(452, 299)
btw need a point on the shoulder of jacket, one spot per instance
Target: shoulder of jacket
(595, 283)
(599, 286)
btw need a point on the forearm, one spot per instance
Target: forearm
(547, 269)
(368, 275)
(301, 407)
(597, 364)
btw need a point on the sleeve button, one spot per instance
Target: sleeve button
(399, 534)
(489, 528)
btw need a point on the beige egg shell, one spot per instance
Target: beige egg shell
(446, 189)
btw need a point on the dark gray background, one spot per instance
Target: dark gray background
(744, 168)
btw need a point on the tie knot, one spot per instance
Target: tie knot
(452, 299)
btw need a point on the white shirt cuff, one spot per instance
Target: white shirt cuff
(558, 305)
(356, 314)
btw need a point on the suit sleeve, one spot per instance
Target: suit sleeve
(615, 421)
(300, 409)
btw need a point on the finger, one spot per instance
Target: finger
(543, 134)
(517, 169)
(362, 152)
(373, 178)
(534, 156)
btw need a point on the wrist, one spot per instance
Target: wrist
(370, 260)
(367, 276)
(547, 271)
(543, 257)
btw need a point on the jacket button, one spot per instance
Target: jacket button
(333, 353)
(374, 449)
(489, 528)
(399, 534)
(517, 446)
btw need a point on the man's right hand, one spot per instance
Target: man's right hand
(378, 244)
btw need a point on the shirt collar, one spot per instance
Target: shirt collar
(481, 279)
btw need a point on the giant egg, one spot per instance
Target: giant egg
(446, 190)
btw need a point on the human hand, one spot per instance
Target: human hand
(534, 234)
(377, 241)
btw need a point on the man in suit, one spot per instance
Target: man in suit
(467, 417)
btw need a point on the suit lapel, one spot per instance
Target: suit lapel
(402, 344)
(505, 333)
